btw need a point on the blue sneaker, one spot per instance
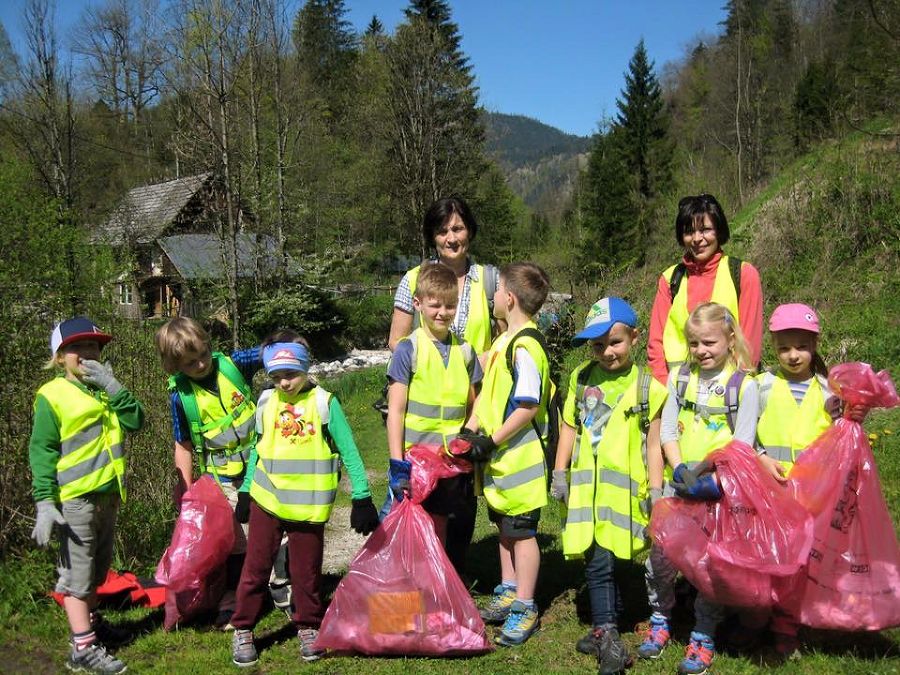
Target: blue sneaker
(498, 609)
(521, 623)
(656, 637)
(699, 654)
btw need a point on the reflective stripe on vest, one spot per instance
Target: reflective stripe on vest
(228, 425)
(477, 331)
(786, 429)
(437, 395)
(515, 478)
(296, 473)
(675, 345)
(608, 484)
(91, 440)
(702, 429)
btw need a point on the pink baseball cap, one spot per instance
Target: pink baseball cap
(794, 315)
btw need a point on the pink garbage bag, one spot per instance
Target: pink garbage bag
(736, 550)
(852, 581)
(192, 567)
(401, 594)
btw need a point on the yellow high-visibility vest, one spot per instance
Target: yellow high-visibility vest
(296, 474)
(675, 344)
(786, 429)
(478, 322)
(515, 480)
(437, 395)
(91, 439)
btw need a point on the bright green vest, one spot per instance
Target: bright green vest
(674, 343)
(91, 450)
(608, 483)
(297, 473)
(438, 395)
(515, 479)
(478, 322)
(226, 427)
(706, 429)
(786, 429)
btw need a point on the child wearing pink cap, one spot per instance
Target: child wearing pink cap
(796, 405)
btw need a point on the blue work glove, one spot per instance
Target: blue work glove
(483, 446)
(47, 516)
(100, 375)
(398, 478)
(706, 488)
(683, 476)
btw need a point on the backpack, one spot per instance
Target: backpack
(554, 404)
(732, 394)
(641, 407)
(734, 268)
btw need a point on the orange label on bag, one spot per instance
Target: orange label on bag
(396, 612)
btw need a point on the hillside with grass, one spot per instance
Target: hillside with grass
(825, 231)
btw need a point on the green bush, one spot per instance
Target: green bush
(308, 310)
(367, 320)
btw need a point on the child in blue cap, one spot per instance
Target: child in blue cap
(608, 464)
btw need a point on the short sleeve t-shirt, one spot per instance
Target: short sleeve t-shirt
(400, 366)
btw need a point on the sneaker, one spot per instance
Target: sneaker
(521, 623)
(307, 637)
(498, 609)
(699, 654)
(787, 646)
(109, 635)
(94, 659)
(613, 657)
(243, 651)
(656, 637)
(590, 643)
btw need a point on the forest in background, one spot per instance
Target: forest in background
(337, 141)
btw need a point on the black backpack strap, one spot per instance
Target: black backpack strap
(675, 280)
(538, 336)
(734, 268)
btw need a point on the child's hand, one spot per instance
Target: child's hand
(242, 508)
(706, 489)
(482, 446)
(773, 467)
(363, 516)
(398, 478)
(857, 413)
(559, 486)
(683, 475)
(47, 516)
(100, 375)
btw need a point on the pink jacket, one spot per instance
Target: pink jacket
(700, 279)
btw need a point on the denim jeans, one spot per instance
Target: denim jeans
(603, 592)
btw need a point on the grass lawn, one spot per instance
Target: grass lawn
(34, 632)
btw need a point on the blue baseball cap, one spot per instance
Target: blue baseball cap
(602, 316)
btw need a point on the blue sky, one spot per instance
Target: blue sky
(559, 61)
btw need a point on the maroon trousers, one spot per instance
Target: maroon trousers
(306, 543)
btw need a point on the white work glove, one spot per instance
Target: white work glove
(47, 516)
(101, 376)
(559, 486)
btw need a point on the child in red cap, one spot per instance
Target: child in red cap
(77, 462)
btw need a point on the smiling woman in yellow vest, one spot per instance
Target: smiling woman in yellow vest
(610, 431)
(705, 274)
(293, 484)
(77, 459)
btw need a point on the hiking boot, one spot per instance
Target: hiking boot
(521, 623)
(656, 637)
(243, 651)
(590, 643)
(613, 657)
(698, 655)
(307, 637)
(94, 659)
(109, 635)
(787, 646)
(498, 609)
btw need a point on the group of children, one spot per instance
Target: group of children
(277, 459)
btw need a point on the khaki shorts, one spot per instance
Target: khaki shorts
(86, 543)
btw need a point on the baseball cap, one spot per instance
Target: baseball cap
(78, 328)
(794, 315)
(601, 317)
(285, 356)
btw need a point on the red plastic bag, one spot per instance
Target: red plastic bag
(736, 550)
(192, 567)
(852, 581)
(401, 594)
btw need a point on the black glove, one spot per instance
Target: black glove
(242, 508)
(363, 516)
(482, 446)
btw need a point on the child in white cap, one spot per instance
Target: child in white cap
(77, 462)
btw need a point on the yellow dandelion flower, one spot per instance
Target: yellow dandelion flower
(873, 437)
(887, 432)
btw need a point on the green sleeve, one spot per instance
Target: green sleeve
(128, 409)
(251, 469)
(346, 447)
(43, 451)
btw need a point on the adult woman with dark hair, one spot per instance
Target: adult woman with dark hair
(705, 274)
(450, 227)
